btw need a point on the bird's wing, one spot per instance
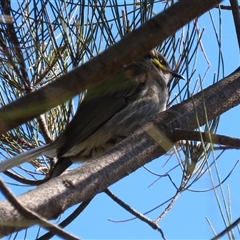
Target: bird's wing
(99, 105)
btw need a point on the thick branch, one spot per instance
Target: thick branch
(137, 43)
(96, 175)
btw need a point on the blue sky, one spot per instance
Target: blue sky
(187, 218)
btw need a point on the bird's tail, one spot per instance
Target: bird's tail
(26, 156)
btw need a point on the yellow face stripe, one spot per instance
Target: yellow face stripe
(158, 64)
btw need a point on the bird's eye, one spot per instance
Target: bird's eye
(162, 61)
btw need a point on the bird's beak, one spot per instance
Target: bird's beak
(177, 75)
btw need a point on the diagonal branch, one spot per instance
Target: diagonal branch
(33, 217)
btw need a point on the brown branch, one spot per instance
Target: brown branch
(178, 134)
(225, 7)
(69, 219)
(149, 35)
(31, 217)
(137, 214)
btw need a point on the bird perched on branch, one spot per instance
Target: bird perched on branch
(108, 113)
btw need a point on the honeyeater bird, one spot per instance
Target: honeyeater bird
(108, 113)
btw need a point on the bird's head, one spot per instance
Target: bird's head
(162, 65)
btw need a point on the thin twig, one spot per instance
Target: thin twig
(25, 180)
(227, 229)
(236, 18)
(69, 219)
(140, 216)
(180, 189)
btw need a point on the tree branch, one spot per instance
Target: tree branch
(205, 137)
(32, 217)
(134, 212)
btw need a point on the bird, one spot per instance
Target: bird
(108, 113)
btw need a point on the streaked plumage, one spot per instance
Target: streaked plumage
(108, 113)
